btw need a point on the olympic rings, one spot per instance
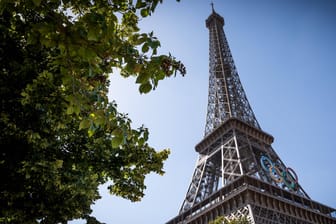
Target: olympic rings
(275, 174)
(265, 167)
(289, 180)
(279, 173)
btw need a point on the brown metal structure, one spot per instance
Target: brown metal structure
(238, 173)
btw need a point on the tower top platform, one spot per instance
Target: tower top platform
(214, 17)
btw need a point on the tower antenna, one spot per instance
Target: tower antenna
(212, 6)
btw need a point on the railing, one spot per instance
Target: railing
(247, 182)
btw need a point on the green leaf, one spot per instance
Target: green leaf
(86, 53)
(154, 44)
(140, 4)
(91, 132)
(70, 110)
(144, 12)
(93, 34)
(76, 109)
(37, 2)
(145, 48)
(92, 129)
(59, 163)
(117, 132)
(160, 75)
(116, 141)
(117, 137)
(143, 77)
(84, 124)
(145, 88)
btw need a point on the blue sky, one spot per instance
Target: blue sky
(285, 53)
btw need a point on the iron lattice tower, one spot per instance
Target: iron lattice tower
(238, 173)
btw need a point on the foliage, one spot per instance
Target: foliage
(60, 137)
(223, 220)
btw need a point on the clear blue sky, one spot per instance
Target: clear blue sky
(285, 53)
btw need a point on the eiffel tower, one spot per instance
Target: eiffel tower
(238, 173)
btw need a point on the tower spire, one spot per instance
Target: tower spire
(212, 7)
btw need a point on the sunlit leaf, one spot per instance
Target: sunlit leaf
(84, 124)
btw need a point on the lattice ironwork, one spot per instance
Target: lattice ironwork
(234, 153)
(245, 211)
(264, 215)
(259, 201)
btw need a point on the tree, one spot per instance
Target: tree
(60, 137)
(223, 220)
